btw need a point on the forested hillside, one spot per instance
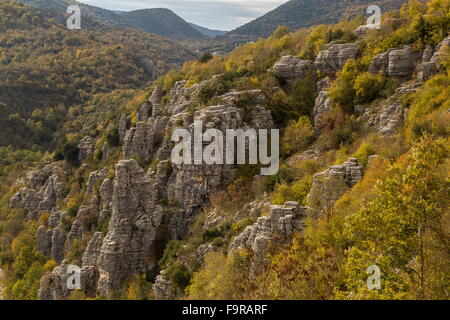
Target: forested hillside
(45, 69)
(363, 182)
(160, 21)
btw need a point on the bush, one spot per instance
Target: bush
(297, 136)
(368, 87)
(179, 274)
(296, 192)
(206, 57)
(112, 137)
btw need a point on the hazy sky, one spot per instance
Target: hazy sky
(214, 14)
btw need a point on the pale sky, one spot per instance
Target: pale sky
(214, 14)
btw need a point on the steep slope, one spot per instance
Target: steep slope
(298, 14)
(208, 32)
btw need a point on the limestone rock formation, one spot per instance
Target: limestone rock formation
(94, 178)
(138, 141)
(57, 245)
(92, 252)
(292, 68)
(43, 198)
(122, 130)
(86, 147)
(143, 113)
(398, 63)
(330, 185)
(432, 58)
(335, 57)
(323, 103)
(163, 288)
(253, 209)
(390, 116)
(155, 100)
(129, 245)
(59, 284)
(282, 221)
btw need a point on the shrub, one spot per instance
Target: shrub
(297, 136)
(368, 87)
(112, 137)
(296, 192)
(205, 57)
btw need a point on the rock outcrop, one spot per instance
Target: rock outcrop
(335, 57)
(122, 129)
(59, 284)
(432, 58)
(281, 222)
(330, 185)
(129, 247)
(39, 195)
(86, 149)
(398, 63)
(292, 68)
(323, 103)
(389, 117)
(163, 288)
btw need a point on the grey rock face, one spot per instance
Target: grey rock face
(282, 220)
(92, 252)
(94, 178)
(399, 63)
(431, 60)
(292, 68)
(129, 245)
(143, 113)
(52, 189)
(334, 58)
(27, 199)
(43, 240)
(106, 191)
(330, 185)
(203, 250)
(138, 141)
(37, 178)
(362, 30)
(86, 147)
(163, 288)
(122, 130)
(155, 100)
(36, 202)
(213, 219)
(323, 103)
(54, 219)
(57, 243)
(54, 286)
(146, 209)
(390, 116)
(87, 215)
(253, 209)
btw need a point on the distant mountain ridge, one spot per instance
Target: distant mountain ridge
(160, 21)
(208, 32)
(298, 14)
